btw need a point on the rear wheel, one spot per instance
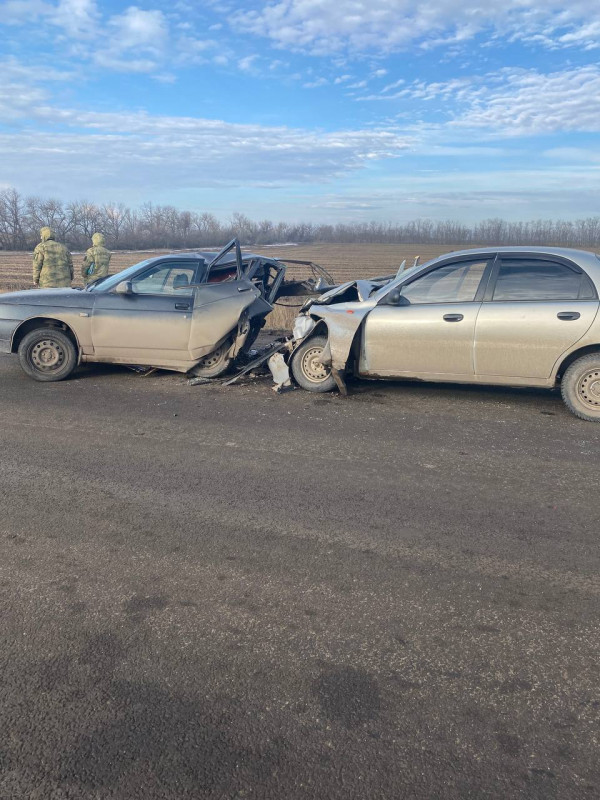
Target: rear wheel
(47, 354)
(580, 387)
(214, 364)
(307, 368)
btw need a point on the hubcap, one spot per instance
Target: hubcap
(589, 388)
(48, 355)
(312, 367)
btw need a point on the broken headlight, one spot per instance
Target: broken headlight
(303, 325)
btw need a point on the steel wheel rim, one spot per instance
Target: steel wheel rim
(214, 358)
(48, 355)
(312, 367)
(588, 389)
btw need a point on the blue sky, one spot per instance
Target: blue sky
(332, 110)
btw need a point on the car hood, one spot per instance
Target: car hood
(68, 298)
(358, 290)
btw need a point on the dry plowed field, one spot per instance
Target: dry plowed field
(343, 261)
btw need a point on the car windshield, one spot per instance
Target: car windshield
(108, 283)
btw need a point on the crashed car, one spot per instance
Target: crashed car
(188, 312)
(507, 316)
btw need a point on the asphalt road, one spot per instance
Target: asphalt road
(223, 593)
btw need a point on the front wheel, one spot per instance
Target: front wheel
(580, 387)
(214, 364)
(47, 354)
(307, 369)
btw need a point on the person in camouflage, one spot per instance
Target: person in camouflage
(52, 262)
(96, 261)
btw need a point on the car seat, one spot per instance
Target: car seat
(181, 281)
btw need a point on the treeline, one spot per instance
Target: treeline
(152, 226)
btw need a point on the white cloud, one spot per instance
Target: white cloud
(511, 102)
(135, 42)
(526, 102)
(78, 18)
(14, 71)
(315, 84)
(165, 77)
(137, 149)
(247, 63)
(325, 26)
(191, 51)
(136, 27)
(393, 85)
(18, 12)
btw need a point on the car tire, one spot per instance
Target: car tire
(580, 387)
(308, 371)
(214, 364)
(47, 354)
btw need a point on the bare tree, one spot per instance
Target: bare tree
(12, 220)
(113, 220)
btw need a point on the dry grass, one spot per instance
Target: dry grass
(343, 261)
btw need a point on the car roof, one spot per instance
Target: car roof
(584, 258)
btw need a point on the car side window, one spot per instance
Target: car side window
(451, 283)
(171, 279)
(533, 279)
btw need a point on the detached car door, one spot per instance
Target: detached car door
(429, 329)
(533, 311)
(152, 324)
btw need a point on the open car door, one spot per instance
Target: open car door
(220, 306)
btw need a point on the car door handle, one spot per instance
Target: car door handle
(568, 315)
(182, 306)
(244, 288)
(453, 317)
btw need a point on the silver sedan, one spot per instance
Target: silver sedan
(188, 312)
(508, 316)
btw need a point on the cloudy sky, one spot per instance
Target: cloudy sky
(306, 109)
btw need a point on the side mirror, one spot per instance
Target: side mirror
(396, 298)
(124, 287)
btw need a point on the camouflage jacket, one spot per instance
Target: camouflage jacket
(52, 265)
(95, 264)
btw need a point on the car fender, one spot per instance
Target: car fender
(67, 321)
(343, 322)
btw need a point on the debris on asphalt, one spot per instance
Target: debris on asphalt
(141, 370)
(275, 347)
(200, 381)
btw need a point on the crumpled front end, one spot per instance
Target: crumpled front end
(340, 313)
(341, 322)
